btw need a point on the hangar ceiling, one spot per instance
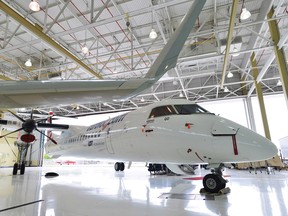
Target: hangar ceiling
(116, 33)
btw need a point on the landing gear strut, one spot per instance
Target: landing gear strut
(214, 182)
(119, 166)
(20, 165)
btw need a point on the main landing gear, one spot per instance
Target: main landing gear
(20, 165)
(214, 182)
(119, 166)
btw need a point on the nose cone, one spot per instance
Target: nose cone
(254, 147)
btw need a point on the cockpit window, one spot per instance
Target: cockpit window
(162, 111)
(187, 109)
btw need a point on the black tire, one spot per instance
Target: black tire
(213, 183)
(121, 167)
(22, 168)
(117, 166)
(15, 169)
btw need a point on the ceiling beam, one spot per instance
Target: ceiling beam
(258, 26)
(37, 31)
(229, 40)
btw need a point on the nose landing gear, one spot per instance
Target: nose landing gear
(119, 166)
(22, 148)
(214, 182)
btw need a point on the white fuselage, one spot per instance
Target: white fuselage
(170, 138)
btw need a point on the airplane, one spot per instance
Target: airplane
(205, 138)
(170, 132)
(19, 94)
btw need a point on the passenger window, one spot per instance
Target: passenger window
(162, 111)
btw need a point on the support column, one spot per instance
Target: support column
(248, 107)
(279, 53)
(260, 96)
(243, 87)
(250, 113)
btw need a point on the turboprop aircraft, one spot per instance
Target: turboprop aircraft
(18, 94)
(175, 137)
(172, 132)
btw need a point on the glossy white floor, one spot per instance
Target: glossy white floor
(98, 190)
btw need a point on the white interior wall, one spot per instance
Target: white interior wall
(233, 110)
(277, 115)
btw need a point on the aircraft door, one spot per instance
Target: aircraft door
(107, 129)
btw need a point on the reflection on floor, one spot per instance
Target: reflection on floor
(99, 190)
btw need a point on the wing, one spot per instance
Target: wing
(37, 93)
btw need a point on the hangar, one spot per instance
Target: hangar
(65, 40)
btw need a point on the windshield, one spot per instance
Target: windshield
(162, 111)
(187, 109)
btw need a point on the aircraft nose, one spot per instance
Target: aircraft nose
(253, 146)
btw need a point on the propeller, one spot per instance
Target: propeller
(29, 125)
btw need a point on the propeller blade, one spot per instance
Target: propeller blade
(31, 115)
(18, 117)
(3, 122)
(12, 132)
(53, 126)
(47, 136)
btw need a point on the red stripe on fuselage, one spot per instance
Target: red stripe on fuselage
(235, 148)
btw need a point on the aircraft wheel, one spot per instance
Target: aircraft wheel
(117, 166)
(122, 166)
(213, 183)
(22, 168)
(15, 169)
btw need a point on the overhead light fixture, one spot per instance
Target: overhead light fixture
(175, 82)
(181, 95)
(226, 89)
(85, 50)
(34, 5)
(28, 63)
(235, 52)
(153, 34)
(229, 75)
(279, 83)
(245, 14)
